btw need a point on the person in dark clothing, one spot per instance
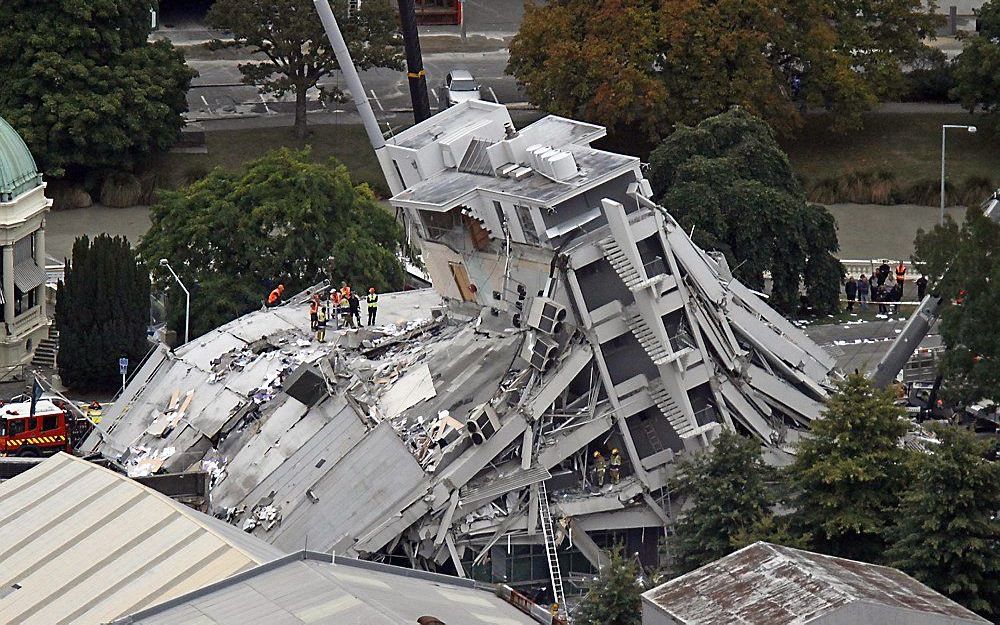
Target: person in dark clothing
(355, 309)
(883, 272)
(883, 294)
(921, 287)
(895, 296)
(863, 290)
(851, 289)
(873, 287)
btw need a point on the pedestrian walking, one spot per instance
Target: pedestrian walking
(863, 292)
(372, 300)
(321, 325)
(921, 287)
(851, 289)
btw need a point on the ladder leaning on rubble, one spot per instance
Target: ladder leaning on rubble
(545, 516)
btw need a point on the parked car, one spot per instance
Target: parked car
(460, 86)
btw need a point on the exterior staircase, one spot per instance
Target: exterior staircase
(620, 262)
(47, 350)
(647, 338)
(673, 412)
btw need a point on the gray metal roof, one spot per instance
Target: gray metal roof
(773, 585)
(319, 589)
(83, 544)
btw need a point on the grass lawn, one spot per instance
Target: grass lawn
(231, 149)
(908, 145)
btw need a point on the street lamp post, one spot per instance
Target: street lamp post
(187, 295)
(944, 130)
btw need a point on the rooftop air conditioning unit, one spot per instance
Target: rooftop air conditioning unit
(482, 424)
(546, 316)
(543, 353)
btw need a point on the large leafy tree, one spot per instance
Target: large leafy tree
(614, 597)
(291, 37)
(963, 264)
(977, 68)
(848, 476)
(948, 535)
(731, 500)
(84, 87)
(729, 180)
(285, 219)
(644, 65)
(102, 310)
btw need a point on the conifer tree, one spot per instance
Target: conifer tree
(731, 498)
(847, 477)
(102, 311)
(613, 598)
(948, 535)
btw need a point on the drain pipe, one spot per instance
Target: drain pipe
(357, 91)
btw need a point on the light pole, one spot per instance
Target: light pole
(187, 295)
(944, 130)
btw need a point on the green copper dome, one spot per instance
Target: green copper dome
(18, 172)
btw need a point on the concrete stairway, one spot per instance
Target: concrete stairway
(46, 351)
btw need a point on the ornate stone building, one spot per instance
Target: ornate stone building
(22, 235)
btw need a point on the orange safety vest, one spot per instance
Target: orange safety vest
(274, 296)
(900, 273)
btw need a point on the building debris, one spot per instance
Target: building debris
(571, 314)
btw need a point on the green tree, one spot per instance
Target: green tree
(102, 310)
(948, 535)
(729, 180)
(291, 36)
(641, 66)
(284, 219)
(964, 268)
(84, 87)
(847, 477)
(614, 597)
(731, 499)
(977, 68)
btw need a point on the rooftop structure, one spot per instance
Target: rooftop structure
(320, 589)
(570, 315)
(18, 173)
(765, 584)
(84, 544)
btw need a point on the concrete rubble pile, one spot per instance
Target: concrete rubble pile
(570, 315)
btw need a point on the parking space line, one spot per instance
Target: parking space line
(375, 97)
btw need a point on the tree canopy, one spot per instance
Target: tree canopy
(847, 478)
(729, 180)
(948, 534)
(640, 66)
(291, 36)
(232, 237)
(730, 499)
(977, 68)
(963, 265)
(614, 597)
(102, 310)
(84, 87)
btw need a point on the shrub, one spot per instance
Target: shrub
(974, 190)
(120, 190)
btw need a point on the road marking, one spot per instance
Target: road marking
(210, 111)
(437, 98)
(494, 94)
(267, 109)
(375, 97)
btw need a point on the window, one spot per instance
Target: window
(527, 224)
(50, 422)
(15, 427)
(32, 423)
(23, 302)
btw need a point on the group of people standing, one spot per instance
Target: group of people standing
(342, 306)
(875, 288)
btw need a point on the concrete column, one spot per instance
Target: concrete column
(40, 261)
(8, 284)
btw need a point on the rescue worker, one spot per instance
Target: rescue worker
(321, 325)
(314, 311)
(616, 466)
(600, 468)
(372, 300)
(345, 304)
(274, 299)
(355, 310)
(921, 287)
(334, 307)
(900, 275)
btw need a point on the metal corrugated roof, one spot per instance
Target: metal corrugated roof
(776, 585)
(310, 588)
(83, 544)
(18, 172)
(28, 275)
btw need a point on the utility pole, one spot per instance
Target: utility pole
(414, 62)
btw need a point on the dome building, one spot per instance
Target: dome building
(22, 236)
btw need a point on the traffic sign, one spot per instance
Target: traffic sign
(123, 365)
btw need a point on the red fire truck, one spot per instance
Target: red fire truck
(44, 434)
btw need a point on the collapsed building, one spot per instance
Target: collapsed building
(570, 315)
